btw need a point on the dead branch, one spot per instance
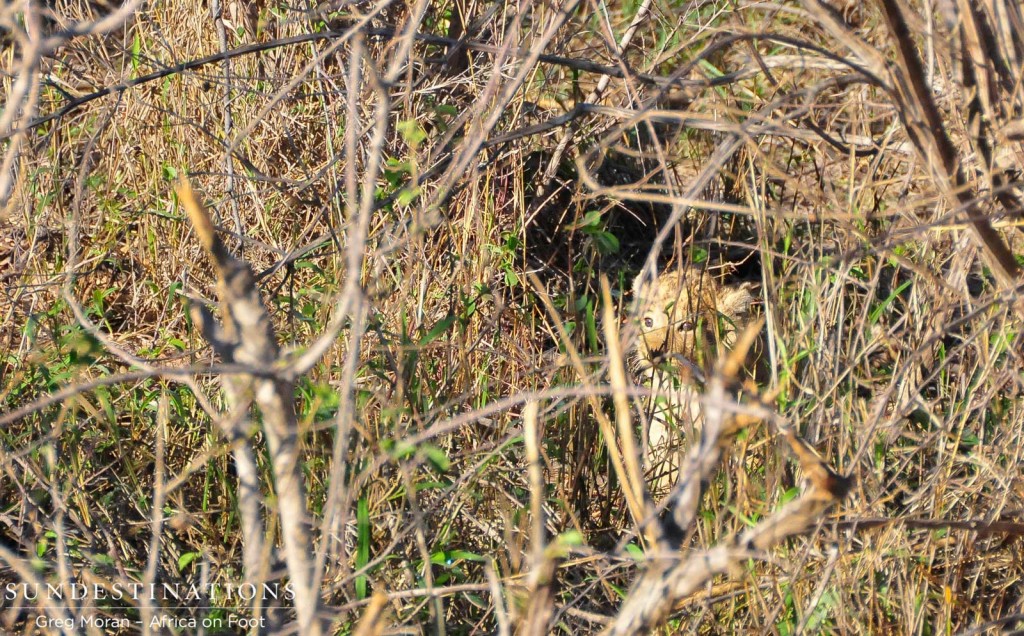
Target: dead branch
(923, 122)
(246, 336)
(927, 131)
(670, 579)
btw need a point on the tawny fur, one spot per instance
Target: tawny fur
(685, 318)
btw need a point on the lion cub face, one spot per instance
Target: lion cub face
(687, 314)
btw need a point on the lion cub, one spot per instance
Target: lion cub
(685, 318)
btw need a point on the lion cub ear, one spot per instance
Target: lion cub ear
(641, 284)
(736, 300)
(638, 283)
(640, 279)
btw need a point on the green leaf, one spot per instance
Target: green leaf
(606, 242)
(571, 539)
(563, 543)
(590, 320)
(789, 496)
(412, 132)
(446, 109)
(362, 544)
(591, 220)
(186, 560)
(437, 457)
(407, 196)
(430, 485)
(877, 311)
(136, 51)
(399, 449)
(465, 555)
(435, 332)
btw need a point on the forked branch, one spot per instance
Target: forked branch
(246, 337)
(671, 578)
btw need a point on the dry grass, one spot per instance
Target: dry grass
(892, 332)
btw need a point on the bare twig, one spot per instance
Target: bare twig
(146, 607)
(56, 611)
(23, 98)
(563, 143)
(925, 127)
(541, 583)
(381, 32)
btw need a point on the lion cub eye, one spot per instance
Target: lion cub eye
(686, 326)
(648, 323)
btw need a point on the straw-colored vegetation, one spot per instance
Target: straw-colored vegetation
(429, 231)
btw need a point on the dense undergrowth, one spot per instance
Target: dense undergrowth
(893, 345)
